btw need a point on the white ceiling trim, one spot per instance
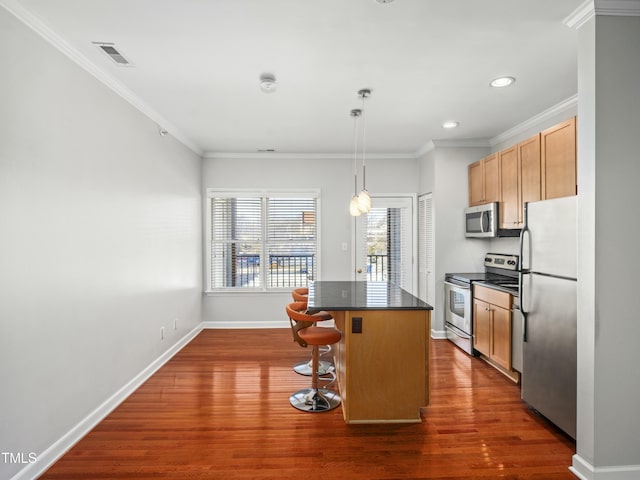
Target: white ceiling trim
(305, 156)
(621, 8)
(42, 29)
(590, 8)
(464, 143)
(580, 15)
(533, 122)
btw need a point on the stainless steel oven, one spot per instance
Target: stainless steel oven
(500, 270)
(457, 313)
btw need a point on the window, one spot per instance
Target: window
(261, 240)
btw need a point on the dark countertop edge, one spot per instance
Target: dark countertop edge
(337, 308)
(343, 308)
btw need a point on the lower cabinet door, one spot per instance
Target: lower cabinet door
(501, 344)
(482, 327)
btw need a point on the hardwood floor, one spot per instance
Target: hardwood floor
(220, 410)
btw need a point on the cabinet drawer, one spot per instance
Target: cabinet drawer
(490, 295)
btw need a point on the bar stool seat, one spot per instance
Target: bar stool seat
(314, 399)
(320, 335)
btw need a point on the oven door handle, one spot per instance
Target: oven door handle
(457, 285)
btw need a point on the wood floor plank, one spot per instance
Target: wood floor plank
(220, 410)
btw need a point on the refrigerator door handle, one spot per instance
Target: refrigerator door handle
(521, 291)
(523, 233)
(523, 311)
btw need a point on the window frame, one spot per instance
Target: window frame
(264, 195)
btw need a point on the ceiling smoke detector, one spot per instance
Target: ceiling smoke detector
(268, 82)
(384, 1)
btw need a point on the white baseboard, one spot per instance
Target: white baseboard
(438, 334)
(73, 436)
(248, 324)
(585, 471)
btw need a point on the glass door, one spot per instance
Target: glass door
(384, 244)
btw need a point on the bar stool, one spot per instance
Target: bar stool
(314, 399)
(300, 294)
(305, 368)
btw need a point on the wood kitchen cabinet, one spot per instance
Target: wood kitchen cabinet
(492, 325)
(481, 326)
(509, 206)
(484, 184)
(520, 180)
(558, 152)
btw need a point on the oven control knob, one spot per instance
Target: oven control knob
(487, 259)
(511, 262)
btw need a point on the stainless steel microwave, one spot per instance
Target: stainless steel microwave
(481, 220)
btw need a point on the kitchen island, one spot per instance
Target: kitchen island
(382, 360)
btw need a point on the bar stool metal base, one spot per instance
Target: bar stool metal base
(304, 368)
(315, 400)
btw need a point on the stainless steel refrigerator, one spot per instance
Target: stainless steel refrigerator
(548, 301)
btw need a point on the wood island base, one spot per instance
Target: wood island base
(382, 364)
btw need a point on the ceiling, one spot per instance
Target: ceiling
(197, 65)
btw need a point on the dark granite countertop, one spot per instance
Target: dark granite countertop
(330, 295)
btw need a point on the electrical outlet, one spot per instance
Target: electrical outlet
(161, 333)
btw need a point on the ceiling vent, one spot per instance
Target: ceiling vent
(110, 50)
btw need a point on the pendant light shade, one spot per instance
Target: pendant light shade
(354, 207)
(364, 201)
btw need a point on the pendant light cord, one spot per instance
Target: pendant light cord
(355, 114)
(364, 144)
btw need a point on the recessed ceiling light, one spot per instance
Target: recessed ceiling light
(502, 81)
(450, 124)
(384, 1)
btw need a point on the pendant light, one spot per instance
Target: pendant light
(364, 200)
(354, 208)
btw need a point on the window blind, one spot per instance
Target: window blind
(262, 241)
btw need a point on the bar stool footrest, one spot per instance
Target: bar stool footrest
(305, 368)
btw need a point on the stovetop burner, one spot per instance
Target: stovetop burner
(500, 270)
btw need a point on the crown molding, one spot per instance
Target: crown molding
(462, 143)
(580, 15)
(619, 8)
(569, 103)
(426, 148)
(41, 28)
(303, 156)
(591, 8)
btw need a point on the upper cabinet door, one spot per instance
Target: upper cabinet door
(558, 152)
(484, 181)
(509, 195)
(476, 183)
(491, 179)
(530, 170)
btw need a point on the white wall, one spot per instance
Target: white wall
(100, 243)
(334, 177)
(608, 260)
(444, 170)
